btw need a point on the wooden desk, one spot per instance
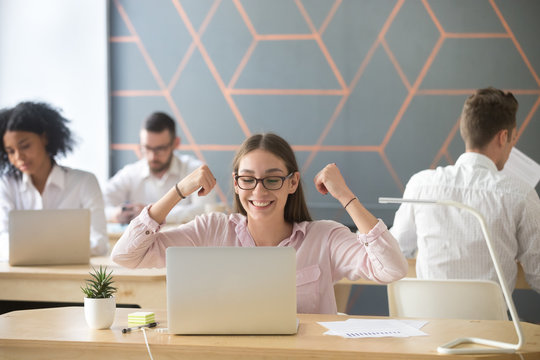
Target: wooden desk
(61, 333)
(145, 287)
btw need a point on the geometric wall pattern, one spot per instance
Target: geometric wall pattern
(375, 86)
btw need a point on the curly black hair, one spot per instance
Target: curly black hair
(39, 118)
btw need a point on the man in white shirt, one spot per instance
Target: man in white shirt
(448, 242)
(147, 180)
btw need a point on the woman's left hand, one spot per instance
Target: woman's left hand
(330, 180)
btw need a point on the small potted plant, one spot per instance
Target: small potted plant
(99, 301)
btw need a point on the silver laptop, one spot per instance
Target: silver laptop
(49, 237)
(231, 290)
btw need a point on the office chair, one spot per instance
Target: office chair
(448, 299)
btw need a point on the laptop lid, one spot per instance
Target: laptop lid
(49, 237)
(231, 290)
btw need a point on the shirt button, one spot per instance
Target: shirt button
(147, 232)
(366, 244)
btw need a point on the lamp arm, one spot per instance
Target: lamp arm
(502, 347)
(495, 258)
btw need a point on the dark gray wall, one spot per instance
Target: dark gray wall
(373, 85)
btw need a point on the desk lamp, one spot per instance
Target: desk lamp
(499, 347)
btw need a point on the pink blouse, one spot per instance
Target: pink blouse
(326, 251)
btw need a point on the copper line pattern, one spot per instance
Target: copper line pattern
(121, 39)
(245, 17)
(444, 148)
(433, 17)
(330, 16)
(391, 170)
(394, 61)
(449, 158)
(229, 90)
(322, 46)
(132, 147)
(413, 91)
(182, 66)
(161, 84)
(251, 48)
(476, 35)
(284, 37)
(140, 45)
(528, 118)
(355, 80)
(192, 45)
(209, 63)
(156, 74)
(241, 65)
(288, 92)
(514, 40)
(137, 93)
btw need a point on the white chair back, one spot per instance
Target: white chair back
(446, 299)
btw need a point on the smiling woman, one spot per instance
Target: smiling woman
(271, 211)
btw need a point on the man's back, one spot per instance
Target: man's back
(450, 242)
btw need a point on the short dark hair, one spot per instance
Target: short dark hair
(484, 114)
(39, 118)
(296, 208)
(160, 121)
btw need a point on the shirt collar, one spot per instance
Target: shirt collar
(241, 229)
(476, 160)
(55, 178)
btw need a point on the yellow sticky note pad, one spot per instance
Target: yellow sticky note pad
(141, 317)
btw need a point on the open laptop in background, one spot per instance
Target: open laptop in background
(231, 290)
(49, 237)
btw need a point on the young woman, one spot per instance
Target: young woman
(32, 135)
(271, 211)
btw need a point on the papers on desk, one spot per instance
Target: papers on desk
(369, 328)
(523, 167)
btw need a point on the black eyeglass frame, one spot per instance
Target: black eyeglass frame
(261, 180)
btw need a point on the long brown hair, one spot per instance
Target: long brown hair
(295, 209)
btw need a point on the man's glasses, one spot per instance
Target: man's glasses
(269, 182)
(158, 150)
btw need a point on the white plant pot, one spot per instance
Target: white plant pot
(99, 313)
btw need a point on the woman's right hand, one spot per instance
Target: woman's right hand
(201, 178)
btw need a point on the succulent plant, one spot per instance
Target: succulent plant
(100, 285)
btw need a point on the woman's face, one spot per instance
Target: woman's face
(26, 150)
(261, 203)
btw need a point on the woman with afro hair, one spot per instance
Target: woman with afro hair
(32, 137)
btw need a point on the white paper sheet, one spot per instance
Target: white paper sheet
(368, 328)
(523, 167)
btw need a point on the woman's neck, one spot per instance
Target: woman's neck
(39, 179)
(269, 233)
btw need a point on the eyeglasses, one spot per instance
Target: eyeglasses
(269, 182)
(158, 150)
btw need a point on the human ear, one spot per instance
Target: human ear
(294, 182)
(502, 137)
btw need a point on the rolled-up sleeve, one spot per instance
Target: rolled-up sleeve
(375, 256)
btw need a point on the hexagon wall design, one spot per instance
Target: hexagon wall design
(373, 85)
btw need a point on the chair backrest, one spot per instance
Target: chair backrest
(447, 299)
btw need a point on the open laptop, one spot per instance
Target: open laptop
(231, 290)
(49, 237)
